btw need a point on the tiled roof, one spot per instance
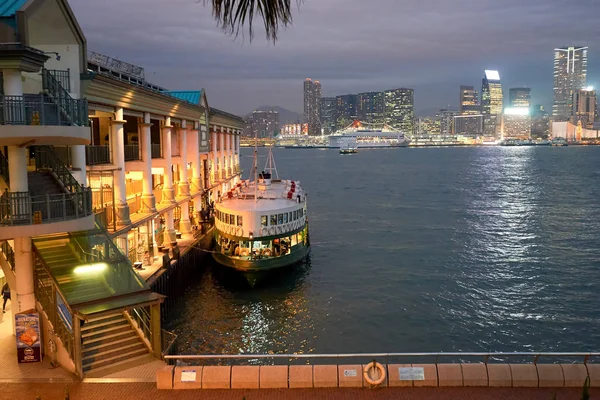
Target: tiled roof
(191, 96)
(9, 8)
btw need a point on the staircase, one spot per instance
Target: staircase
(110, 340)
(42, 182)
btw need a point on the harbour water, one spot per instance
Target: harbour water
(434, 249)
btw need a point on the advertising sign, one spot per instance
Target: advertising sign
(29, 346)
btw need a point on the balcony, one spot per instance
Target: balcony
(43, 110)
(97, 155)
(132, 152)
(155, 150)
(21, 208)
(63, 77)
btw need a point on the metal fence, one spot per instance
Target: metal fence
(20, 208)
(401, 358)
(43, 110)
(155, 150)
(63, 77)
(132, 152)
(96, 155)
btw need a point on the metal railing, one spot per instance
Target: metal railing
(4, 168)
(46, 158)
(96, 155)
(169, 343)
(155, 150)
(132, 152)
(9, 253)
(62, 77)
(63, 100)
(141, 316)
(20, 208)
(482, 356)
(42, 110)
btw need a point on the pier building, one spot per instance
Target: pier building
(102, 174)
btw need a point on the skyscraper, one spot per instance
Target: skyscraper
(540, 122)
(399, 109)
(584, 107)
(345, 110)
(519, 97)
(263, 124)
(312, 98)
(469, 101)
(371, 107)
(491, 102)
(516, 123)
(570, 74)
(328, 115)
(491, 93)
(446, 118)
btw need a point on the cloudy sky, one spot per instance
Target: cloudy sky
(351, 46)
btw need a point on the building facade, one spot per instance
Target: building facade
(399, 109)
(446, 118)
(312, 99)
(471, 125)
(540, 122)
(469, 101)
(570, 75)
(491, 93)
(328, 115)
(345, 110)
(262, 124)
(584, 107)
(519, 97)
(371, 107)
(427, 126)
(516, 123)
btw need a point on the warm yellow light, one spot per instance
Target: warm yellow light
(90, 268)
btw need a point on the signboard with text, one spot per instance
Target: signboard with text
(29, 344)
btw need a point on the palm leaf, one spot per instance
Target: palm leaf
(233, 15)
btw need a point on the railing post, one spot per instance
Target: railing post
(156, 330)
(64, 204)
(77, 345)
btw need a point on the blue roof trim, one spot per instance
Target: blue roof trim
(8, 8)
(191, 96)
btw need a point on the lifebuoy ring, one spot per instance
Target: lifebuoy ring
(279, 229)
(240, 231)
(374, 373)
(272, 230)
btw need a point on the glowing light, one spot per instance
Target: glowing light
(492, 75)
(90, 268)
(589, 89)
(516, 111)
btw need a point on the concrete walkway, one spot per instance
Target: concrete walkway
(148, 391)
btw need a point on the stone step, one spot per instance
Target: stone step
(104, 324)
(107, 338)
(99, 334)
(113, 344)
(112, 360)
(110, 353)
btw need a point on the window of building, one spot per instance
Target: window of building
(264, 220)
(285, 218)
(231, 219)
(239, 220)
(273, 220)
(290, 216)
(280, 219)
(295, 215)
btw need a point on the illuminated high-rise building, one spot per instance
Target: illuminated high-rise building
(312, 98)
(540, 122)
(328, 115)
(491, 93)
(519, 97)
(584, 107)
(469, 104)
(345, 110)
(399, 109)
(470, 124)
(570, 75)
(370, 107)
(263, 124)
(516, 123)
(446, 118)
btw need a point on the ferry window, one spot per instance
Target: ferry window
(264, 220)
(290, 216)
(273, 220)
(239, 220)
(279, 219)
(300, 213)
(231, 219)
(285, 218)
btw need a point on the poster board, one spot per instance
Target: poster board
(29, 341)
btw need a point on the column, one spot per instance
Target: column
(222, 166)
(24, 275)
(214, 171)
(148, 200)
(170, 236)
(184, 185)
(237, 149)
(13, 85)
(185, 226)
(196, 136)
(118, 150)
(78, 163)
(168, 195)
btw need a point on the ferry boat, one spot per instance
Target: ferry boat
(367, 135)
(261, 225)
(559, 142)
(349, 147)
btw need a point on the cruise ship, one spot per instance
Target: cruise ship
(368, 136)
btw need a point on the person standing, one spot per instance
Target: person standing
(5, 295)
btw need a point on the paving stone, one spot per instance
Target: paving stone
(524, 375)
(449, 375)
(245, 376)
(499, 375)
(550, 375)
(350, 375)
(188, 373)
(325, 376)
(574, 374)
(430, 373)
(273, 376)
(474, 375)
(394, 376)
(216, 377)
(301, 376)
(164, 377)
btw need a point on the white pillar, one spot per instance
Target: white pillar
(148, 200)
(168, 195)
(185, 226)
(184, 185)
(118, 150)
(24, 275)
(196, 162)
(13, 85)
(222, 166)
(78, 163)
(214, 172)
(237, 150)
(17, 169)
(170, 237)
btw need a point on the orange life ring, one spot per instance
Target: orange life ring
(378, 370)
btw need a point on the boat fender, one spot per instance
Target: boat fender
(272, 230)
(374, 373)
(279, 229)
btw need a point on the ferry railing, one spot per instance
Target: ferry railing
(483, 357)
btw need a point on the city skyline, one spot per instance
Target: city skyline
(242, 76)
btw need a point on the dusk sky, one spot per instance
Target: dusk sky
(351, 46)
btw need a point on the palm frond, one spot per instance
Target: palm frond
(233, 15)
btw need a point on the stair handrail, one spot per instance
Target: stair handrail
(4, 168)
(45, 157)
(63, 99)
(9, 253)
